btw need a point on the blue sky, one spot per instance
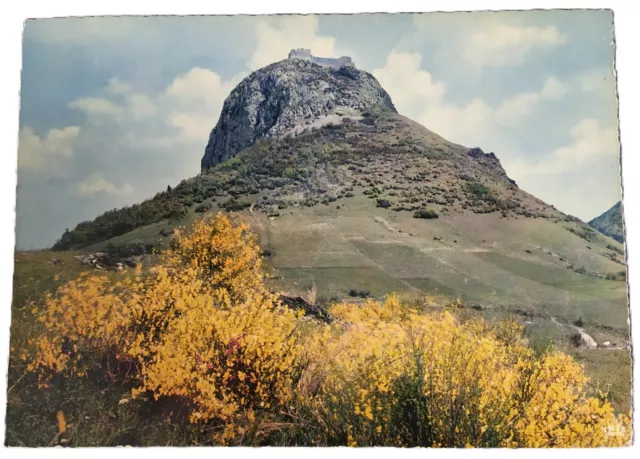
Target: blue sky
(114, 109)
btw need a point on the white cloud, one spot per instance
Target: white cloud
(193, 102)
(515, 108)
(419, 96)
(411, 88)
(97, 183)
(590, 143)
(599, 85)
(197, 85)
(501, 45)
(96, 106)
(294, 32)
(35, 152)
(141, 106)
(117, 86)
(131, 128)
(484, 39)
(593, 83)
(130, 145)
(182, 114)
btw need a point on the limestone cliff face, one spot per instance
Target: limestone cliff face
(286, 96)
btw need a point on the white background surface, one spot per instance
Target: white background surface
(627, 25)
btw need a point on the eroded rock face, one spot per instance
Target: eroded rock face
(281, 97)
(491, 161)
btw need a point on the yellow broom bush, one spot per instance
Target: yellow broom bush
(84, 315)
(202, 327)
(396, 377)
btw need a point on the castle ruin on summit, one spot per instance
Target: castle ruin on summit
(330, 62)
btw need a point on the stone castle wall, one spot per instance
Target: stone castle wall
(334, 63)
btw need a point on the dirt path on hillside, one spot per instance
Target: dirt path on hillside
(255, 217)
(386, 224)
(380, 267)
(589, 342)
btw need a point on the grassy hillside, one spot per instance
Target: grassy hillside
(542, 265)
(396, 162)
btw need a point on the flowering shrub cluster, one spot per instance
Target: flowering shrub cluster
(201, 327)
(399, 377)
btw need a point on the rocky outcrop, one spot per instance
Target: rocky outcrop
(274, 100)
(105, 262)
(312, 310)
(490, 161)
(610, 223)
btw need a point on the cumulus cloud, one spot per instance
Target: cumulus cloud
(513, 109)
(116, 86)
(488, 40)
(581, 176)
(193, 102)
(419, 96)
(412, 88)
(501, 45)
(590, 143)
(96, 106)
(274, 43)
(35, 152)
(96, 183)
(183, 114)
(599, 85)
(574, 168)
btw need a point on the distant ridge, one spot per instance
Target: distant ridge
(610, 222)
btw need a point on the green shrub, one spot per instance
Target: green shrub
(619, 276)
(425, 213)
(384, 203)
(202, 208)
(235, 205)
(359, 293)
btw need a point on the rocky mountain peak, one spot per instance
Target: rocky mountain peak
(290, 96)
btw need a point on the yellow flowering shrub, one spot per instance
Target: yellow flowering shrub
(212, 333)
(428, 380)
(228, 361)
(84, 315)
(222, 251)
(559, 413)
(202, 327)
